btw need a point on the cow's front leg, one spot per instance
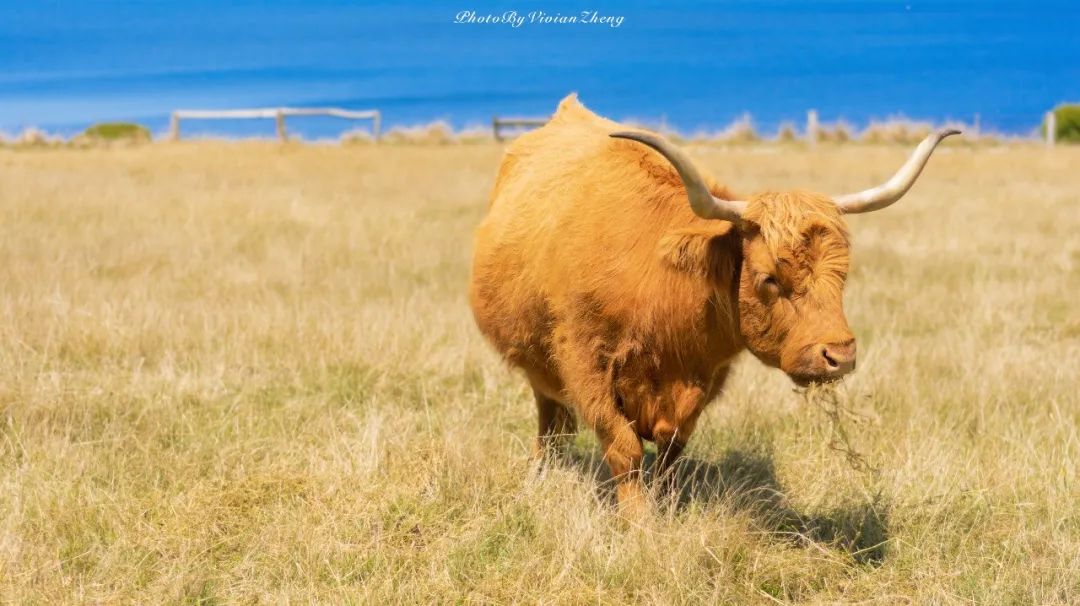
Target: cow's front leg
(623, 454)
(587, 373)
(672, 430)
(668, 451)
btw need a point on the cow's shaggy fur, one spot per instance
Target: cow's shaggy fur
(593, 275)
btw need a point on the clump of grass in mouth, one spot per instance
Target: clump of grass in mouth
(842, 415)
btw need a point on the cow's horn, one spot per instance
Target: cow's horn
(883, 195)
(704, 204)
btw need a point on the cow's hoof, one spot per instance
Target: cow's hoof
(633, 505)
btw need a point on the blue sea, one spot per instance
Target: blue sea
(694, 65)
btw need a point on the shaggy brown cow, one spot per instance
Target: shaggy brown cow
(622, 302)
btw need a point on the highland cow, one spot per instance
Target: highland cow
(624, 283)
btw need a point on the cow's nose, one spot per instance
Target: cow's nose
(839, 358)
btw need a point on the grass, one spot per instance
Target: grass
(247, 372)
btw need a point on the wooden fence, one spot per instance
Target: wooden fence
(498, 125)
(277, 113)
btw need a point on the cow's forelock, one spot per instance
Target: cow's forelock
(783, 218)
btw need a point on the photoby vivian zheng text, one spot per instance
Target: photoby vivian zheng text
(516, 19)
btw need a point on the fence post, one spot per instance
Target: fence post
(174, 127)
(495, 127)
(279, 118)
(812, 127)
(376, 125)
(1051, 128)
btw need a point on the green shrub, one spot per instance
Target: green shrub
(117, 131)
(1067, 119)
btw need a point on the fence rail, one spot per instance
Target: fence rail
(498, 124)
(277, 113)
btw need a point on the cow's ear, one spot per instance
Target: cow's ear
(706, 251)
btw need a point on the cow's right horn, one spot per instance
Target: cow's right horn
(892, 190)
(704, 204)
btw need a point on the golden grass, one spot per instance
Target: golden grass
(247, 372)
(740, 131)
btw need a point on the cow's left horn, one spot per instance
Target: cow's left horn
(704, 204)
(883, 195)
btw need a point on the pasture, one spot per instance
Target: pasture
(246, 372)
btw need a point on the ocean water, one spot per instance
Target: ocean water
(694, 65)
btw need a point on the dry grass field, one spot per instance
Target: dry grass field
(247, 373)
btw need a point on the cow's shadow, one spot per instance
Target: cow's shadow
(745, 479)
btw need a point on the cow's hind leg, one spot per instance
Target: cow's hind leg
(556, 426)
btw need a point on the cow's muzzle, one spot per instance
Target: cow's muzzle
(825, 363)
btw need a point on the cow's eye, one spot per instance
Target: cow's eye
(768, 288)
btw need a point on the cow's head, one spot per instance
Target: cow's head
(794, 262)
